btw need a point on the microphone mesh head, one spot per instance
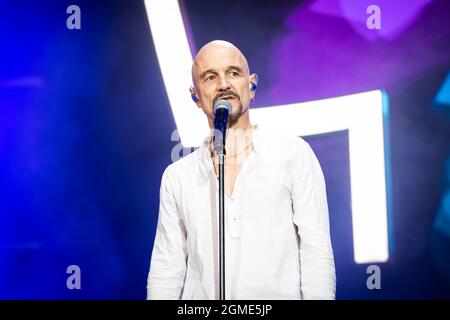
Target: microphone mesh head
(222, 104)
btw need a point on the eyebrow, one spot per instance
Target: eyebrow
(204, 73)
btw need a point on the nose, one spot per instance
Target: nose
(224, 85)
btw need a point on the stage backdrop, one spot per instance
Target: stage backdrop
(86, 124)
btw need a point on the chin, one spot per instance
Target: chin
(237, 110)
(235, 115)
(237, 106)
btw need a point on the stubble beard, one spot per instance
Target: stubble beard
(234, 116)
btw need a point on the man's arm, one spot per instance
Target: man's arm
(168, 263)
(318, 278)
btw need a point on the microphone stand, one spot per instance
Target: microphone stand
(221, 109)
(221, 226)
(219, 144)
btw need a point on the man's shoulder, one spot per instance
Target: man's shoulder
(288, 149)
(285, 143)
(184, 164)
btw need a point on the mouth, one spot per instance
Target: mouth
(227, 98)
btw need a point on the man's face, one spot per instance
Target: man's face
(221, 72)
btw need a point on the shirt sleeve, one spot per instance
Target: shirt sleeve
(318, 278)
(168, 262)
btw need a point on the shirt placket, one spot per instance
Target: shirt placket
(233, 215)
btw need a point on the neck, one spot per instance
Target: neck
(239, 137)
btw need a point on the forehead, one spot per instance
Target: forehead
(218, 58)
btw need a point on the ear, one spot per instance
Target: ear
(253, 85)
(194, 96)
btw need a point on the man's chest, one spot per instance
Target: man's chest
(257, 192)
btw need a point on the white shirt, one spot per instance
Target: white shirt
(277, 227)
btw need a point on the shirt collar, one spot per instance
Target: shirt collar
(205, 150)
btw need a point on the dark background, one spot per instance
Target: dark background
(85, 128)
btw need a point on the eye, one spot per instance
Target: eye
(234, 73)
(211, 77)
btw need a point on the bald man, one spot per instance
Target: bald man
(277, 226)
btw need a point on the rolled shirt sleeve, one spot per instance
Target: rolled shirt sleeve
(168, 261)
(318, 278)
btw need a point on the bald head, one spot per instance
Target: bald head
(216, 48)
(220, 71)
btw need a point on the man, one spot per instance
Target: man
(277, 227)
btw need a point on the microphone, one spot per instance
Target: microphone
(221, 110)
